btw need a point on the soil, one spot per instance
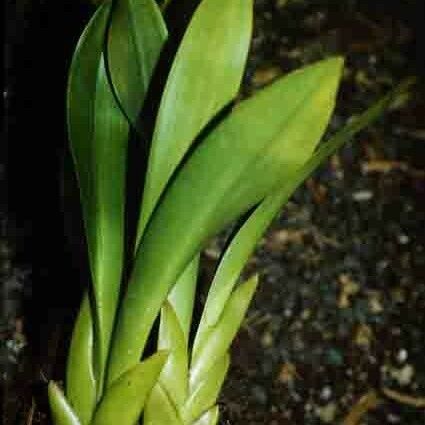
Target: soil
(340, 310)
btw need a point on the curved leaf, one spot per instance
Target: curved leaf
(62, 413)
(221, 337)
(244, 242)
(80, 380)
(205, 395)
(98, 135)
(136, 36)
(205, 76)
(123, 402)
(174, 375)
(235, 167)
(182, 296)
(159, 409)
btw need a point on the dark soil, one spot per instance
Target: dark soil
(341, 307)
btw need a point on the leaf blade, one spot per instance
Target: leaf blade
(62, 413)
(205, 395)
(221, 337)
(205, 76)
(174, 376)
(123, 402)
(80, 379)
(243, 244)
(209, 193)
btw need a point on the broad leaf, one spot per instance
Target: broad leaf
(80, 380)
(62, 413)
(244, 242)
(205, 76)
(234, 168)
(123, 402)
(205, 395)
(220, 339)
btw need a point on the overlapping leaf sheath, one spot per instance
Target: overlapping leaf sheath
(104, 97)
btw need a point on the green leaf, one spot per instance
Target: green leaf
(98, 135)
(221, 337)
(234, 168)
(205, 395)
(159, 409)
(209, 418)
(62, 413)
(244, 242)
(182, 296)
(136, 36)
(174, 375)
(80, 380)
(123, 402)
(205, 76)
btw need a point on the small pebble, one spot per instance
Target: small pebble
(403, 239)
(402, 355)
(326, 393)
(362, 196)
(327, 413)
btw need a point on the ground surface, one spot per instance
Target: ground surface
(340, 311)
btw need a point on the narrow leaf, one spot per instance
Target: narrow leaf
(234, 168)
(123, 402)
(80, 380)
(160, 409)
(221, 337)
(205, 395)
(174, 375)
(205, 76)
(244, 242)
(136, 36)
(209, 418)
(182, 296)
(62, 413)
(98, 135)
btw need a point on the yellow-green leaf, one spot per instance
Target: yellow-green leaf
(123, 402)
(80, 380)
(204, 396)
(243, 243)
(235, 167)
(174, 376)
(160, 409)
(62, 413)
(209, 418)
(182, 296)
(221, 337)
